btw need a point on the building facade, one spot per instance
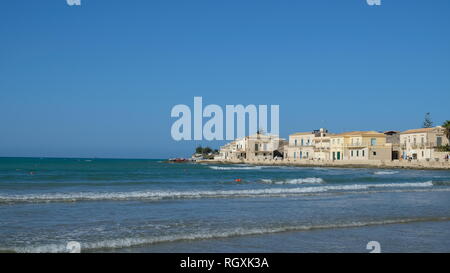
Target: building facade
(321, 144)
(360, 145)
(301, 146)
(255, 147)
(422, 144)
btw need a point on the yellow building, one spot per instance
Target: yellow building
(360, 145)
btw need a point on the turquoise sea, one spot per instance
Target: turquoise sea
(118, 205)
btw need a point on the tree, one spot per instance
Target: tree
(199, 150)
(427, 123)
(207, 150)
(446, 126)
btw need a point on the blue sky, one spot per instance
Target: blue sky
(100, 80)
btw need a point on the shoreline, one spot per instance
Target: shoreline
(369, 165)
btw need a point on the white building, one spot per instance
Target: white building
(421, 143)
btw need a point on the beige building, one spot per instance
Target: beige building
(421, 143)
(263, 147)
(360, 145)
(255, 147)
(301, 146)
(224, 152)
(393, 137)
(321, 144)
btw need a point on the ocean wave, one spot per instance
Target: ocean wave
(159, 195)
(441, 183)
(141, 241)
(294, 181)
(385, 172)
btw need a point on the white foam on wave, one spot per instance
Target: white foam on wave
(385, 172)
(295, 181)
(158, 195)
(140, 241)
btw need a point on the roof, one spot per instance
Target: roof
(360, 133)
(302, 133)
(390, 132)
(421, 130)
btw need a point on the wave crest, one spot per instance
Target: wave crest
(140, 241)
(158, 195)
(295, 181)
(385, 172)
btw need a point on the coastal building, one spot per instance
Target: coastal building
(263, 147)
(321, 144)
(224, 153)
(423, 143)
(393, 137)
(313, 145)
(234, 150)
(360, 145)
(356, 147)
(256, 147)
(301, 146)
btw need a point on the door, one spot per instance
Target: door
(338, 155)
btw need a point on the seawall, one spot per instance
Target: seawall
(413, 164)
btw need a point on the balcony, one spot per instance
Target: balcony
(414, 146)
(321, 149)
(359, 144)
(301, 145)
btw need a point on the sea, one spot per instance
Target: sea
(124, 205)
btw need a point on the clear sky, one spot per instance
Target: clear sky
(100, 80)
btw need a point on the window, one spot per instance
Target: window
(422, 154)
(352, 153)
(363, 153)
(256, 147)
(373, 142)
(374, 153)
(439, 141)
(295, 142)
(357, 153)
(295, 155)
